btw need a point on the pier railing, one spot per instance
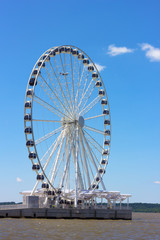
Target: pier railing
(14, 206)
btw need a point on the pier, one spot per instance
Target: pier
(57, 213)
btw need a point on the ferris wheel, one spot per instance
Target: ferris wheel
(67, 122)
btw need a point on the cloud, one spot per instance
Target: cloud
(157, 182)
(18, 179)
(151, 52)
(100, 67)
(114, 51)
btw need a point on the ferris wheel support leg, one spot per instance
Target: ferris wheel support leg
(66, 165)
(45, 201)
(34, 189)
(120, 204)
(57, 158)
(80, 181)
(76, 169)
(57, 201)
(85, 163)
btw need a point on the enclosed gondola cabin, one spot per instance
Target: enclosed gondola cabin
(27, 117)
(29, 93)
(104, 102)
(101, 92)
(106, 111)
(30, 143)
(41, 64)
(28, 130)
(75, 52)
(36, 71)
(27, 104)
(80, 56)
(95, 75)
(35, 167)
(32, 81)
(46, 58)
(45, 185)
(32, 155)
(98, 84)
(40, 177)
(85, 61)
(90, 68)
(107, 132)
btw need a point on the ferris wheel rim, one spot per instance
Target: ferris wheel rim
(51, 185)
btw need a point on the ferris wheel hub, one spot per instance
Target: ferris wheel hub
(81, 121)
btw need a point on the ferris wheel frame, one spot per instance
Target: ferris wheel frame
(37, 69)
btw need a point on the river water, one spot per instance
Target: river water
(143, 226)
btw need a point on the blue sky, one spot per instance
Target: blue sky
(123, 37)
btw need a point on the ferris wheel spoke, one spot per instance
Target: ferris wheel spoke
(90, 106)
(72, 72)
(59, 165)
(89, 161)
(54, 149)
(40, 120)
(57, 95)
(49, 107)
(48, 135)
(92, 158)
(102, 115)
(57, 158)
(85, 91)
(66, 165)
(95, 147)
(59, 83)
(84, 159)
(80, 181)
(90, 92)
(79, 83)
(78, 175)
(84, 88)
(50, 94)
(34, 189)
(94, 140)
(51, 81)
(91, 149)
(94, 152)
(90, 167)
(94, 155)
(67, 171)
(79, 79)
(68, 93)
(94, 129)
(83, 167)
(48, 150)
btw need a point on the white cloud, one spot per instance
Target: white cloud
(100, 67)
(151, 52)
(157, 182)
(114, 51)
(18, 179)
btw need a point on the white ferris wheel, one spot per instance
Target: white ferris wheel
(67, 122)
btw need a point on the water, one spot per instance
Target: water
(143, 226)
